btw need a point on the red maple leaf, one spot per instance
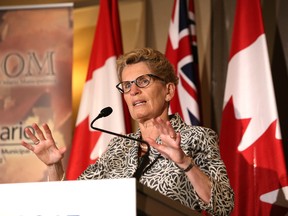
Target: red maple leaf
(257, 170)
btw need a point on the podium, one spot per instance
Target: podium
(151, 202)
(105, 197)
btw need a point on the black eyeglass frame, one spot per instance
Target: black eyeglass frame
(135, 81)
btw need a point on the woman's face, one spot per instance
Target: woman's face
(148, 102)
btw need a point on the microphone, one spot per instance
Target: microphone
(145, 160)
(104, 113)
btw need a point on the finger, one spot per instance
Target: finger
(161, 126)
(62, 150)
(38, 131)
(31, 135)
(48, 132)
(152, 142)
(178, 138)
(171, 131)
(28, 146)
(166, 128)
(159, 148)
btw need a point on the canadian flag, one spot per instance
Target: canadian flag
(250, 137)
(181, 50)
(99, 92)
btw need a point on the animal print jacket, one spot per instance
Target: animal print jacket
(164, 176)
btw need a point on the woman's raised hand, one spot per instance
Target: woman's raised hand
(44, 146)
(170, 147)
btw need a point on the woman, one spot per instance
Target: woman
(181, 161)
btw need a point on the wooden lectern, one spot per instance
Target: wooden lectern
(109, 197)
(151, 202)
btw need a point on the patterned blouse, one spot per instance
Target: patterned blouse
(163, 175)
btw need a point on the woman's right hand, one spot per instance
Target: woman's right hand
(44, 146)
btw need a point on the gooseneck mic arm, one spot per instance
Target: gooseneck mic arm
(106, 112)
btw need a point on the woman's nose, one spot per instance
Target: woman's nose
(134, 89)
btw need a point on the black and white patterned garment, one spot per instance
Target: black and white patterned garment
(164, 176)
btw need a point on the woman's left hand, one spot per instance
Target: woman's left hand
(170, 147)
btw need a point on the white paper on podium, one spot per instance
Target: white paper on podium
(69, 198)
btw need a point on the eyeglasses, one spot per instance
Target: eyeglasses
(141, 81)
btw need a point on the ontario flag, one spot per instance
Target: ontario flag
(181, 51)
(250, 138)
(99, 91)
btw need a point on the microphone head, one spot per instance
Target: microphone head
(106, 111)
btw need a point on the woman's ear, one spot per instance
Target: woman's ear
(170, 91)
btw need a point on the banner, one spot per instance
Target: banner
(35, 83)
(250, 139)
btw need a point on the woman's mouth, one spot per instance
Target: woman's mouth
(139, 103)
